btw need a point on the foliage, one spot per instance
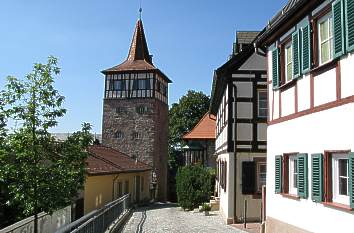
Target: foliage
(206, 207)
(41, 173)
(192, 186)
(183, 116)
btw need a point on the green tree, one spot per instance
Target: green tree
(41, 173)
(183, 116)
(193, 186)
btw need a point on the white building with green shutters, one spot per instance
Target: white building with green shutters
(310, 160)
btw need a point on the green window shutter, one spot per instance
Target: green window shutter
(296, 54)
(317, 177)
(351, 179)
(349, 24)
(302, 180)
(278, 173)
(275, 64)
(306, 49)
(338, 28)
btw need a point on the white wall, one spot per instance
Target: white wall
(327, 130)
(227, 198)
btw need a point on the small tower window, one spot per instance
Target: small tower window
(119, 135)
(142, 109)
(136, 135)
(120, 110)
(142, 84)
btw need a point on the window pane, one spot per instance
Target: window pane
(262, 112)
(343, 186)
(325, 52)
(289, 72)
(343, 167)
(262, 168)
(324, 31)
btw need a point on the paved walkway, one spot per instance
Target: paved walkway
(166, 218)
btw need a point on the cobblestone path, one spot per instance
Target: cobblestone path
(166, 218)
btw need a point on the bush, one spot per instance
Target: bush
(206, 207)
(193, 186)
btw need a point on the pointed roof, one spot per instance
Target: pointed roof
(205, 129)
(138, 48)
(138, 58)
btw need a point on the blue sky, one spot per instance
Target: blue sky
(189, 39)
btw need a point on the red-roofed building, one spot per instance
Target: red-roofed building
(200, 140)
(110, 175)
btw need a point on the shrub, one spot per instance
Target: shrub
(192, 186)
(206, 207)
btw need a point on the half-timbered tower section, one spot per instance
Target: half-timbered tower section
(135, 109)
(239, 101)
(200, 143)
(310, 180)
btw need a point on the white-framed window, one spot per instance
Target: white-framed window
(288, 62)
(262, 103)
(325, 39)
(261, 175)
(340, 178)
(293, 174)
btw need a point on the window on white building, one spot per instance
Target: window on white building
(288, 62)
(340, 178)
(293, 174)
(325, 39)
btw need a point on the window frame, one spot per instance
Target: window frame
(327, 16)
(288, 47)
(258, 103)
(292, 173)
(336, 197)
(258, 173)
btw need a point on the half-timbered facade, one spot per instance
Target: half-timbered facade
(135, 109)
(310, 180)
(239, 101)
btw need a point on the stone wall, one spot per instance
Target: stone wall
(147, 118)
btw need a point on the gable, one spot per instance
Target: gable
(254, 62)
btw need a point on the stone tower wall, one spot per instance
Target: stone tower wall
(152, 126)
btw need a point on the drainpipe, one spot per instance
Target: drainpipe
(114, 180)
(235, 147)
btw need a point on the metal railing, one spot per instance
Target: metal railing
(99, 221)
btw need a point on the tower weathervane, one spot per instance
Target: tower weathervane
(140, 10)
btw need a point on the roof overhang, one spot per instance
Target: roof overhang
(284, 20)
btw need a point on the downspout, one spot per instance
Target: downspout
(114, 180)
(235, 147)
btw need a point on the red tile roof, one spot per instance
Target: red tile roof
(105, 160)
(205, 129)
